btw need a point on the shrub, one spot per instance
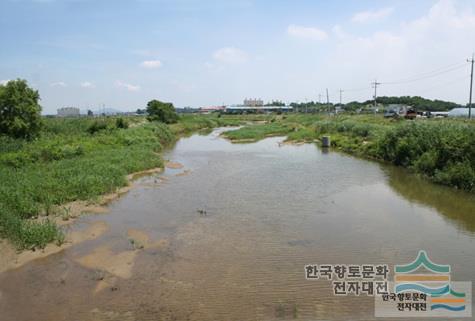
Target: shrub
(26, 234)
(460, 175)
(121, 123)
(97, 126)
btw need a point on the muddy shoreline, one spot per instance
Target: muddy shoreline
(12, 258)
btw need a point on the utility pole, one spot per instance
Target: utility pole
(341, 91)
(375, 84)
(319, 98)
(328, 101)
(471, 85)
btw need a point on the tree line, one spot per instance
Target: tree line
(417, 102)
(20, 111)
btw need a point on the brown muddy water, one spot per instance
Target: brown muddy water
(226, 237)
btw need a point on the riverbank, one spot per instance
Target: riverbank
(441, 150)
(191, 238)
(80, 160)
(85, 160)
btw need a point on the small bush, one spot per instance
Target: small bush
(97, 126)
(121, 123)
(460, 175)
(27, 234)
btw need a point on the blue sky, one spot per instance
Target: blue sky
(87, 53)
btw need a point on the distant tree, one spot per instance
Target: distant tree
(161, 111)
(417, 102)
(20, 112)
(90, 113)
(275, 103)
(140, 111)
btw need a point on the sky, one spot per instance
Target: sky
(121, 54)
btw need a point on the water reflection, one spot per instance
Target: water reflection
(457, 207)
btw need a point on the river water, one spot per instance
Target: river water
(227, 237)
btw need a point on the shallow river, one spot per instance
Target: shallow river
(227, 237)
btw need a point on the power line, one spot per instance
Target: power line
(356, 89)
(425, 76)
(422, 76)
(445, 83)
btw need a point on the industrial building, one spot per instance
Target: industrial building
(253, 102)
(68, 112)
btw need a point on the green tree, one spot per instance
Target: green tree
(160, 111)
(20, 113)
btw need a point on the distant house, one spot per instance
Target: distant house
(68, 112)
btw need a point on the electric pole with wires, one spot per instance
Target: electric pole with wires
(375, 85)
(471, 86)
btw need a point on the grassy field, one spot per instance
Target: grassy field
(81, 159)
(442, 150)
(78, 159)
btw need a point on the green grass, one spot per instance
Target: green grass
(442, 150)
(191, 123)
(80, 159)
(257, 132)
(70, 162)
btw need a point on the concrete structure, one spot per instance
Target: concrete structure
(68, 112)
(256, 109)
(253, 102)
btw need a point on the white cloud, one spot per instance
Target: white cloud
(127, 86)
(58, 84)
(87, 84)
(306, 32)
(435, 39)
(230, 55)
(151, 64)
(372, 15)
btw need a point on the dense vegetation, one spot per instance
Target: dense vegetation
(77, 159)
(160, 111)
(441, 150)
(419, 103)
(19, 110)
(82, 158)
